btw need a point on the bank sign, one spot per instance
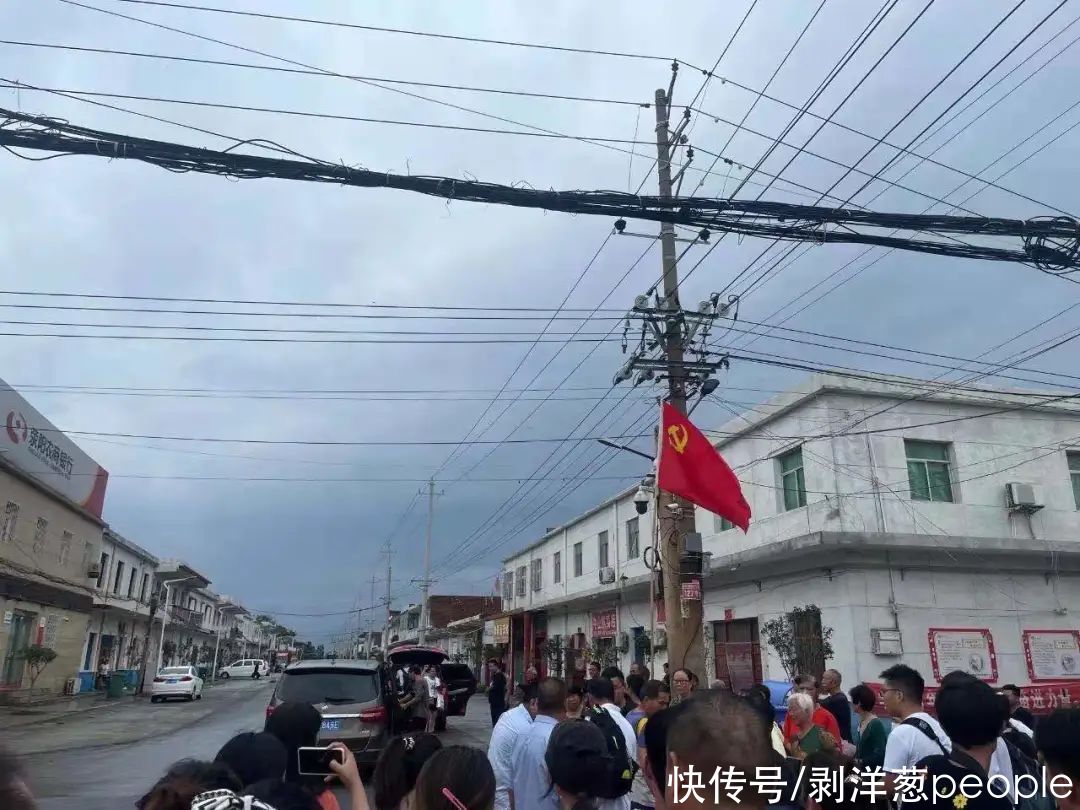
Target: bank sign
(32, 443)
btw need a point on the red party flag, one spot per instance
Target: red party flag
(690, 467)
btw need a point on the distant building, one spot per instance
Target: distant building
(939, 529)
(405, 626)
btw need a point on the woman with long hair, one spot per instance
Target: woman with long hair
(399, 767)
(456, 778)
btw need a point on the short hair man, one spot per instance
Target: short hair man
(654, 698)
(1058, 739)
(531, 785)
(1016, 711)
(711, 731)
(833, 699)
(601, 698)
(496, 693)
(916, 734)
(504, 737)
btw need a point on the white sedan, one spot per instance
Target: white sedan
(176, 682)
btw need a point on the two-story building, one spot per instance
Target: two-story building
(183, 604)
(119, 628)
(927, 524)
(442, 609)
(51, 500)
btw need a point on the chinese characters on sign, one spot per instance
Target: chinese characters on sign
(47, 452)
(500, 631)
(963, 648)
(604, 623)
(1052, 655)
(691, 590)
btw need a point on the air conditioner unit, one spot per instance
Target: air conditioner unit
(659, 639)
(607, 575)
(624, 642)
(1023, 497)
(94, 571)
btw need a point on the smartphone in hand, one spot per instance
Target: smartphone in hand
(315, 761)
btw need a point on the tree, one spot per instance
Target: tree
(801, 642)
(554, 655)
(37, 658)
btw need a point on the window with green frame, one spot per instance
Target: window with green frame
(928, 471)
(792, 479)
(721, 524)
(1074, 474)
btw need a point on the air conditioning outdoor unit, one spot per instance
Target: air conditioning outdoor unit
(659, 639)
(624, 642)
(94, 571)
(607, 575)
(1023, 497)
(886, 641)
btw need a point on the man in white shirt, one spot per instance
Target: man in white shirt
(531, 782)
(510, 727)
(602, 695)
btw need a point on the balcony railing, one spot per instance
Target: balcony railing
(186, 617)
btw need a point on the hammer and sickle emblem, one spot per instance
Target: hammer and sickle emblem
(678, 437)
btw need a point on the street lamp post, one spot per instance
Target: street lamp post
(165, 617)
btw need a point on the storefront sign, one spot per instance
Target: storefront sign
(500, 630)
(968, 649)
(604, 623)
(1052, 655)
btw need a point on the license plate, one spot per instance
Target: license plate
(331, 725)
(172, 680)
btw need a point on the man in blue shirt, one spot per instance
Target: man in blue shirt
(531, 785)
(511, 725)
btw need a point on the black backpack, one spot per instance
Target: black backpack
(620, 767)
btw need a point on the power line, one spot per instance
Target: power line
(1050, 244)
(319, 341)
(404, 31)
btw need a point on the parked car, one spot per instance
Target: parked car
(176, 682)
(348, 695)
(458, 685)
(243, 668)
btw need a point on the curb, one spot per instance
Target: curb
(188, 722)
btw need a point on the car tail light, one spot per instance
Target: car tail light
(187, 678)
(377, 715)
(270, 709)
(159, 680)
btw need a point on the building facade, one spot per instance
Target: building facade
(51, 497)
(938, 529)
(120, 623)
(405, 624)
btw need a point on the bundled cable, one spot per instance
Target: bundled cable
(1051, 244)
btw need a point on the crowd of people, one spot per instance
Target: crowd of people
(636, 743)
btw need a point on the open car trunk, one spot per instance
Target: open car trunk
(411, 654)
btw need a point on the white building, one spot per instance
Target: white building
(120, 621)
(887, 508)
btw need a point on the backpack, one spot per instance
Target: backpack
(926, 729)
(1022, 764)
(620, 768)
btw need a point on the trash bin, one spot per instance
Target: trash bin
(116, 686)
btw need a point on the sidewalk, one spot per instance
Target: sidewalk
(97, 721)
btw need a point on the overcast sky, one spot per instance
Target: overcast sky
(87, 225)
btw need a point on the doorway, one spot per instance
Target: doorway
(737, 653)
(18, 641)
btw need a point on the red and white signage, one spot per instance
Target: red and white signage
(605, 623)
(1040, 698)
(1052, 655)
(34, 445)
(691, 591)
(968, 649)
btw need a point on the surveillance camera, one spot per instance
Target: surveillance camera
(641, 501)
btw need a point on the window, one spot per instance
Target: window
(40, 534)
(103, 565)
(144, 587)
(556, 567)
(577, 559)
(537, 574)
(633, 543)
(118, 580)
(131, 583)
(792, 479)
(1074, 474)
(721, 524)
(508, 585)
(521, 581)
(602, 547)
(11, 517)
(928, 471)
(65, 549)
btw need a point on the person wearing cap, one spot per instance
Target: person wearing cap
(530, 788)
(576, 759)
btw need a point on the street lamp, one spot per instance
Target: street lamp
(165, 617)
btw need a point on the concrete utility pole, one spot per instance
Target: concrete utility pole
(371, 619)
(389, 612)
(683, 616)
(426, 585)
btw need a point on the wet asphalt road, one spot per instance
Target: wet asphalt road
(113, 777)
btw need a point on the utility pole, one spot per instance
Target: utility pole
(389, 612)
(426, 585)
(371, 619)
(683, 616)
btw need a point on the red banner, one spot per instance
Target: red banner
(1041, 698)
(605, 623)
